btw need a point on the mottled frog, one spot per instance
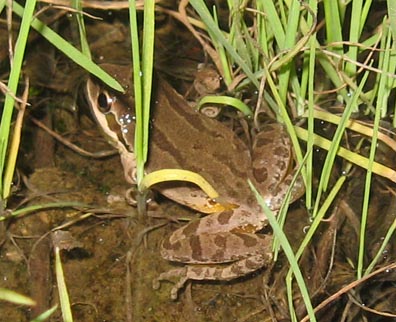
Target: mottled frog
(222, 245)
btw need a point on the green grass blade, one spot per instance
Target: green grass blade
(274, 21)
(262, 32)
(288, 252)
(62, 288)
(45, 315)
(16, 298)
(381, 250)
(33, 208)
(137, 86)
(19, 53)
(308, 237)
(205, 15)
(227, 72)
(147, 64)
(392, 19)
(73, 53)
(311, 88)
(282, 214)
(329, 161)
(354, 34)
(77, 4)
(287, 70)
(382, 102)
(143, 75)
(226, 100)
(333, 24)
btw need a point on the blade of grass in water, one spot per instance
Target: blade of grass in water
(308, 237)
(310, 87)
(33, 208)
(382, 100)
(45, 315)
(14, 297)
(329, 161)
(142, 74)
(137, 87)
(381, 251)
(14, 146)
(147, 64)
(62, 288)
(288, 252)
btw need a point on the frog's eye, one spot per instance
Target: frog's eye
(105, 102)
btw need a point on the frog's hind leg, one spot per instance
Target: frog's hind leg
(218, 273)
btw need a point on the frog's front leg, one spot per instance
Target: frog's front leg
(222, 256)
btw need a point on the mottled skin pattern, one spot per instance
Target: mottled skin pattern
(223, 245)
(228, 237)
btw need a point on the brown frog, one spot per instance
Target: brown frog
(182, 138)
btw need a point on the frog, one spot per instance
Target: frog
(226, 243)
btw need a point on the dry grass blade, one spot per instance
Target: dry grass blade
(61, 139)
(350, 286)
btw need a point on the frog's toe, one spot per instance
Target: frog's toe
(166, 276)
(179, 285)
(156, 284)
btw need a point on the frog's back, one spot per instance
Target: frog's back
(183, 138)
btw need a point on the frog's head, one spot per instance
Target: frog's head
(114, 112)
